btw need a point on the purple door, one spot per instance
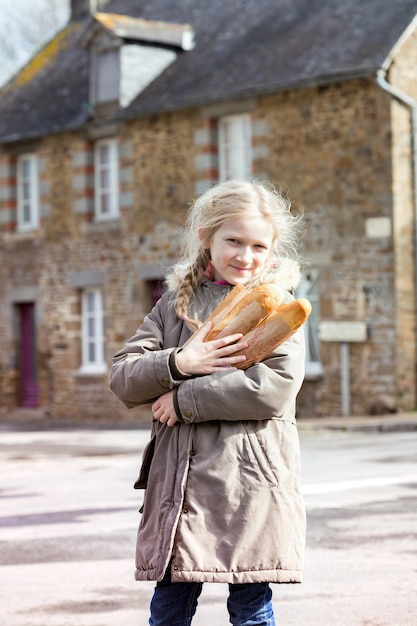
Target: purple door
(28, 362)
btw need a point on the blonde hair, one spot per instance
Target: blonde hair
(225, 201)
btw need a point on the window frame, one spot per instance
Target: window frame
(237, 149)
(98, 364)
(32, 201)
(309, 288)
(111, 192)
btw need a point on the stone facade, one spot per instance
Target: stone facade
(343, 151)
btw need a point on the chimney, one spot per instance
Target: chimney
(79, 9)
(83, 8)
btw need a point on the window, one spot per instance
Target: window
(106, 75)
(106, 173)
(235, 147)
(92, 329)
(27, 193)
(157, 289)
(308, 288)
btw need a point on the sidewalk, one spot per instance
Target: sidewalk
(401, 422)
(36, 419)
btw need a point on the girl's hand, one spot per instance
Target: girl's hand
(163, 409)
(198, 357)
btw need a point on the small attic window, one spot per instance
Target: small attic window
(105, 75)
(127, 54)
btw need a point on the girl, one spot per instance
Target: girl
(222, 500)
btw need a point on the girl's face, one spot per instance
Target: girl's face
(240, 248)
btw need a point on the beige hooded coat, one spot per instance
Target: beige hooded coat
(222, 499)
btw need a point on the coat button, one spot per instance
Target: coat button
(185, 510)
(188, 413)
(165, 381)
(175, 567)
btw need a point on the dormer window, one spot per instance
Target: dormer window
(127, 54)
(105, 75)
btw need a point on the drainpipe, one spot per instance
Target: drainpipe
(410, 102)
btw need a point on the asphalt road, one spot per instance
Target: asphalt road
(68, 522)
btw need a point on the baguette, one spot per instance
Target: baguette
(243, 310)
(232, 298)
(271, 332)
(260, 316)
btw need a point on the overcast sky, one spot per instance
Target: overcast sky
(24, 26)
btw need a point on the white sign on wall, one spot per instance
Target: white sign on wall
(342, 331)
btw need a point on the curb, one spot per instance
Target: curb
(35, 419)
(400, 422)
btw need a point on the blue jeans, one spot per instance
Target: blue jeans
(174, 604)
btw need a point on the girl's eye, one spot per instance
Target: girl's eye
(233, 240)
(261, 246)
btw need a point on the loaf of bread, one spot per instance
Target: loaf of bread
(241, 310)
(262, 317)
(271, 332)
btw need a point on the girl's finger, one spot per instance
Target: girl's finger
(225, 341)
(230, 349)
(204, 331)
(238, 359)
(226, 361)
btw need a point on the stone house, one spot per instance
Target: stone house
(137, 106)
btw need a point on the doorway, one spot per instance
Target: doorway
(29, 390)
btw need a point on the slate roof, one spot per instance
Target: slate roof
(242, 48)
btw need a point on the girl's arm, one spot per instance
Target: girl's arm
(263, 391)
(140, 371)
(148, 367)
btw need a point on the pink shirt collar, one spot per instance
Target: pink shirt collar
(210, 275)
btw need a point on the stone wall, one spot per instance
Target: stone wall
(331, 147)
(345, 166)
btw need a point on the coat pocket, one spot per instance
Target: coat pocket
(142, 479)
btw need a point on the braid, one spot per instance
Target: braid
(187, 288)
(183, 298)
